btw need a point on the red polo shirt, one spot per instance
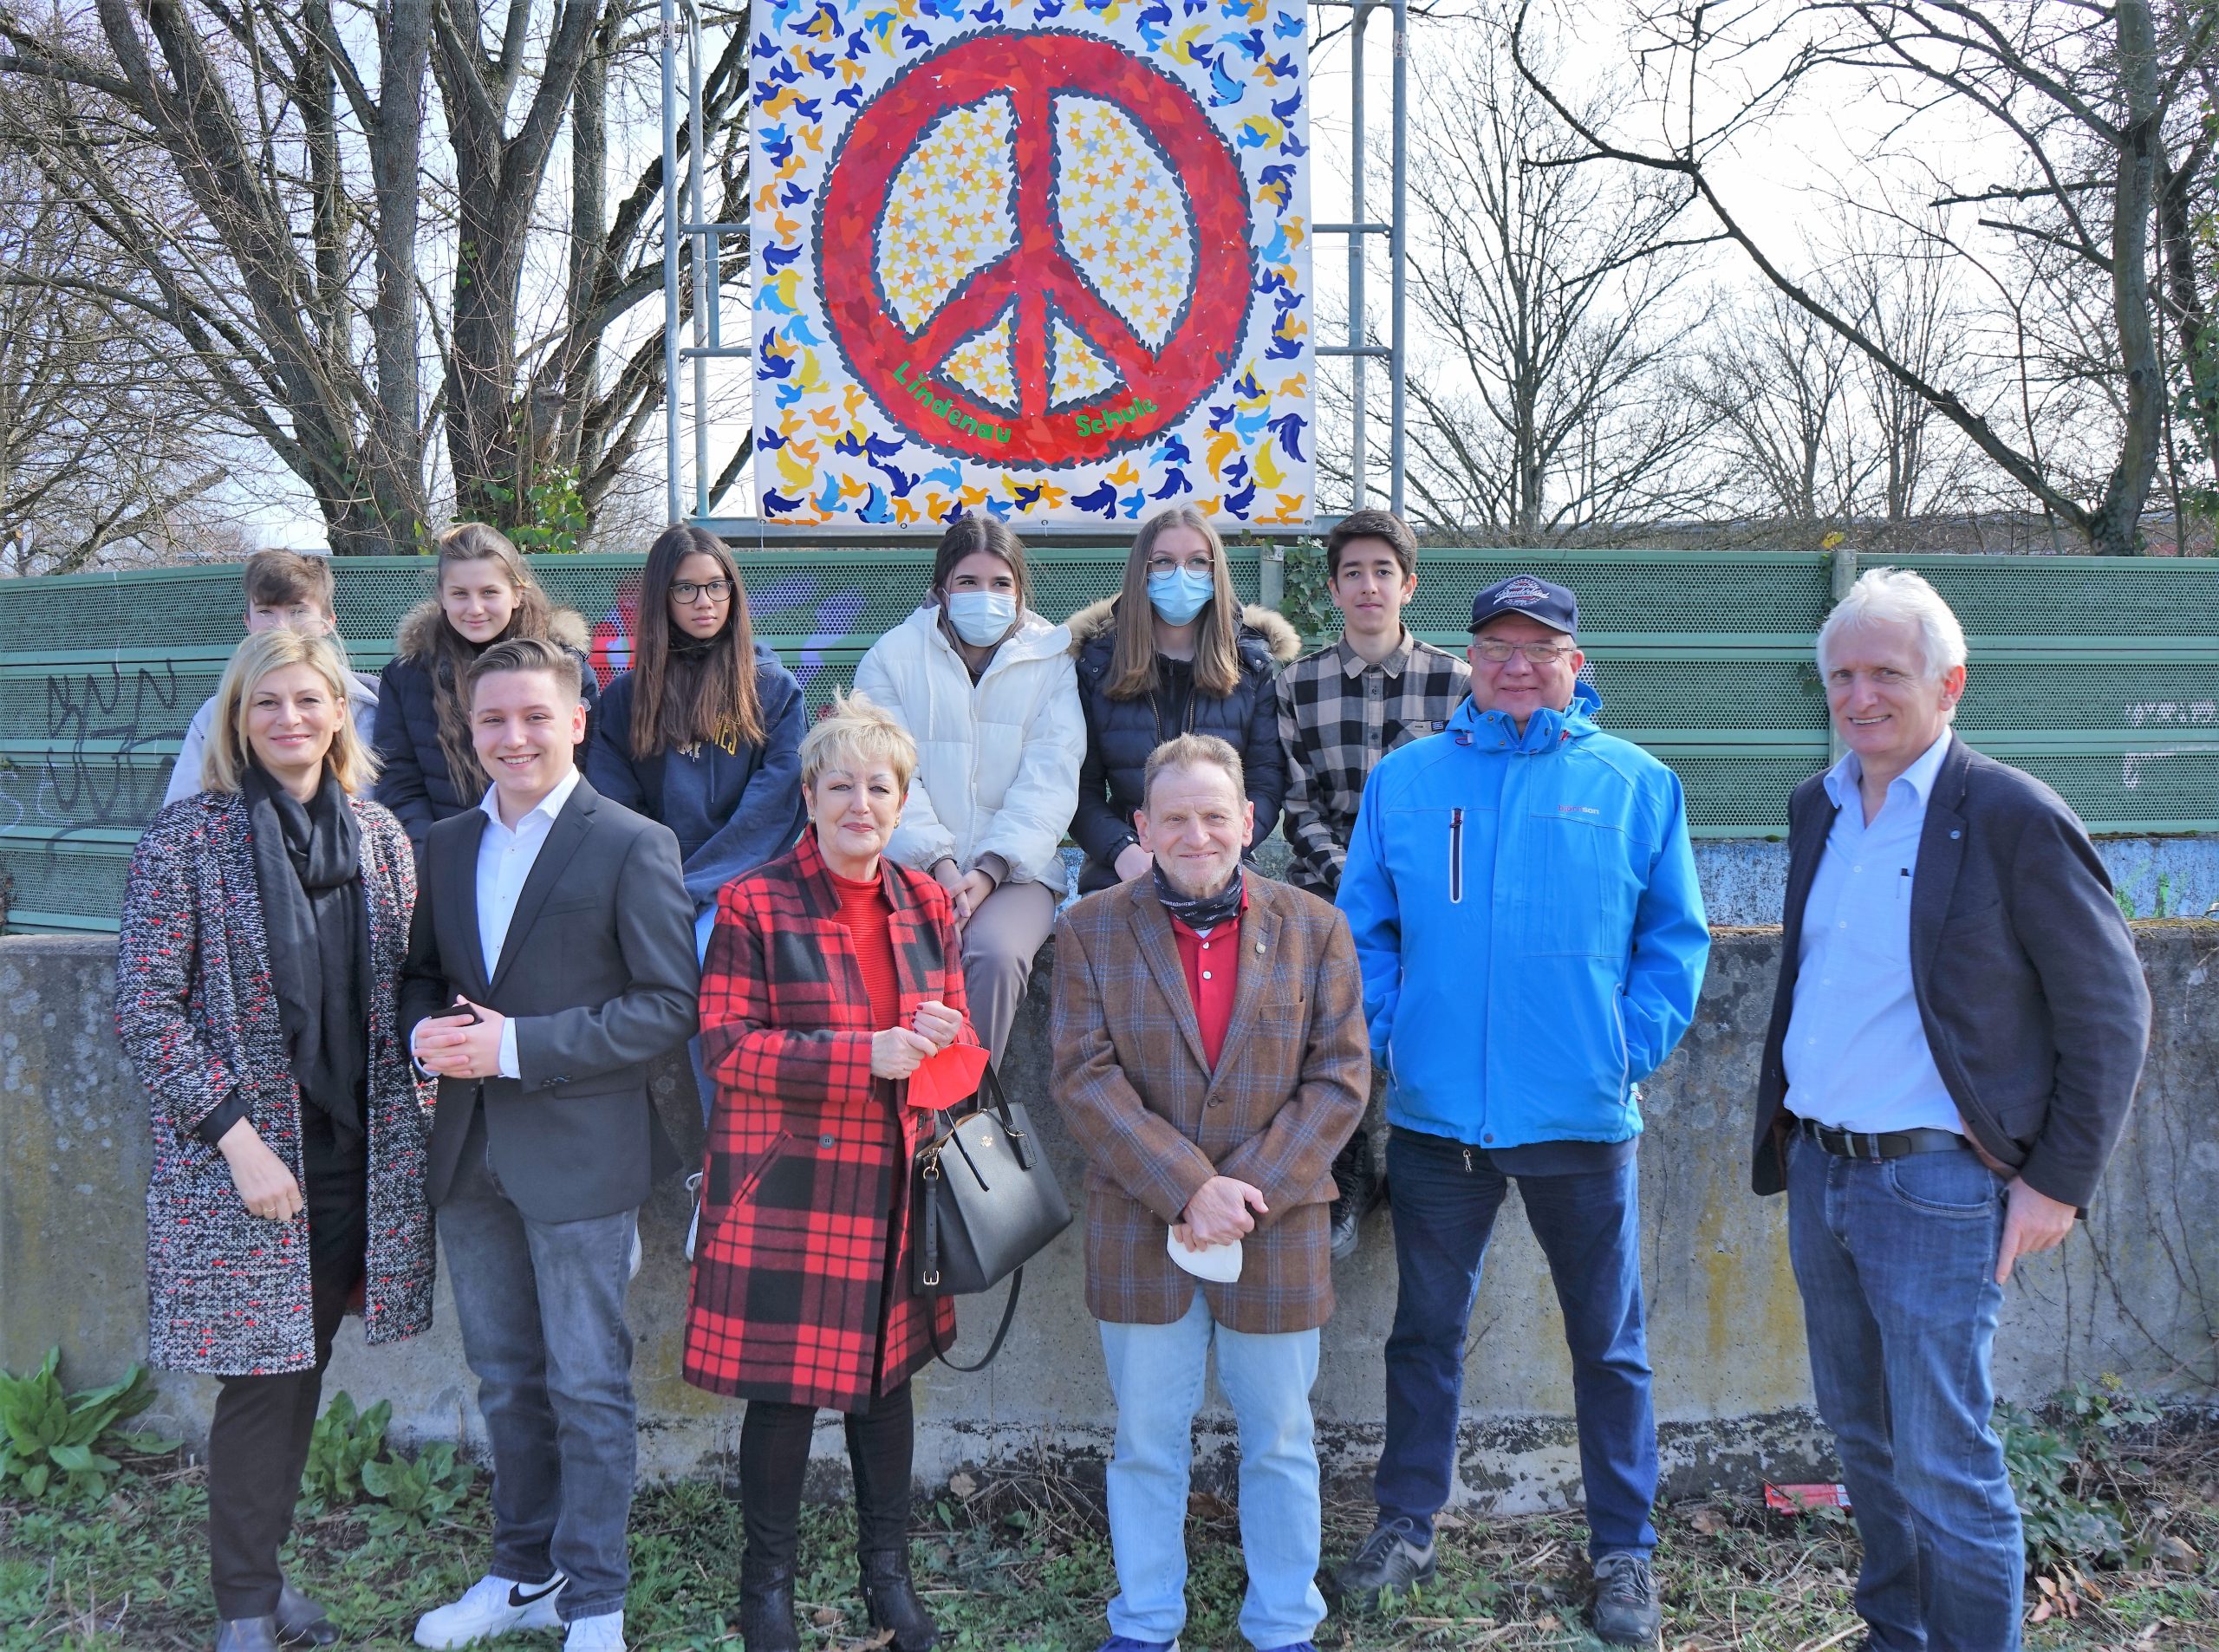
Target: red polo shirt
(1213, 970)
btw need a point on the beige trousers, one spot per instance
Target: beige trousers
(998, 947)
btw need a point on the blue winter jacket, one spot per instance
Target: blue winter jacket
(1531, 934)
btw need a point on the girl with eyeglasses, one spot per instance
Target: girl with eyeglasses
(1174, 652)
(703, 732)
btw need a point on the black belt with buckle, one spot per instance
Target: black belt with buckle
(1875, 1146)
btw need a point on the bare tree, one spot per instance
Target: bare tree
(274, 185)
(1781, 391)
(2089, 96)
(1557, 300)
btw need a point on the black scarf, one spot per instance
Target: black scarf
(307, 867)
(1201, 911)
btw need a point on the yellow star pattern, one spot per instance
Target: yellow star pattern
(984, 365)
(949, 210)
(1121, 216)
(1075, 372)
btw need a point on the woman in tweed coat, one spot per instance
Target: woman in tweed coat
(264, 928)
(833, 972)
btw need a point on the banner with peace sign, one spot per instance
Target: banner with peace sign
(1045, 259)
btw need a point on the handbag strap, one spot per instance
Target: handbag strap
(1001, 1332)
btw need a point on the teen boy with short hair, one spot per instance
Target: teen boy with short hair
(283, 588)
(1341, 710)
(552, 959)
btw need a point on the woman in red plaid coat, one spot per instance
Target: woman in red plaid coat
(831, 975)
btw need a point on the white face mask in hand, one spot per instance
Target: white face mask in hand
(981, 618)
(1219, 1264)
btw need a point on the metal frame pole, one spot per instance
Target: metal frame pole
(671, 213)
(1359, 365)
(1396, 246)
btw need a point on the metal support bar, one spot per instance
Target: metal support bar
(1353, 349)
(1397, 249)
(670, 221)
(1351, 228)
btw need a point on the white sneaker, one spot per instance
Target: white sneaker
(602, 1634)
(492, 1606)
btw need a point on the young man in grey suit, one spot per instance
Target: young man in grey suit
(1956, 1038)
(550, 960)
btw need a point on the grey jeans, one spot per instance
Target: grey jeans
(998, 943)
(542, 1309)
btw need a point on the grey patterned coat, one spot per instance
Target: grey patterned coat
(227, 1291)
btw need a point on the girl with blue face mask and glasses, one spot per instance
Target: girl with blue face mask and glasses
(985, 688)
(1173, 652)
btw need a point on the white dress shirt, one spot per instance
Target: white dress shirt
(506, 857)
(1856, 1054)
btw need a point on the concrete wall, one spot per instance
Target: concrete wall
(2135, 1294)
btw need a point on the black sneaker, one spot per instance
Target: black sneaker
(1358, 1181)
(1626, 1612)
(1388, 1562)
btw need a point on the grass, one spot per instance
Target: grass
(1023, 1565)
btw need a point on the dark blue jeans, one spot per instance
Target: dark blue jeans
(1445, 1201)
(1897, 1266)
(541, 1306)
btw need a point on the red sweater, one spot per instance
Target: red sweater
(864, 910)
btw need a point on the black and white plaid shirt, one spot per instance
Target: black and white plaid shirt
(1337, 718)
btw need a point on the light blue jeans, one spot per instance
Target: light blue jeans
(1156, 1372)
(704, 922)
(1896, 1264)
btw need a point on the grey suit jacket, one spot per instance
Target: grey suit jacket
(2028, 983)
(598, 970)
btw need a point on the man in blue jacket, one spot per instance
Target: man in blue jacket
(1523, 896)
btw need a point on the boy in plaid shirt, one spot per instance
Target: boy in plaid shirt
(1341, 710)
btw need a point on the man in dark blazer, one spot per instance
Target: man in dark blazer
(1210, 1055)
(550, 960)
(1955, 1039)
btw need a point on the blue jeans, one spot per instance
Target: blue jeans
(1156, 1373)
(1897, 1266)
(1445, 1198)
(703, 923)
(541, 1306)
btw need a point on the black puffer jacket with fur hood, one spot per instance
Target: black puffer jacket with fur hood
(414, 778)
(1119, 733)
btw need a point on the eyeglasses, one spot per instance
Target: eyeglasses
(717, 590)
(1167, 565)
(1496, 652)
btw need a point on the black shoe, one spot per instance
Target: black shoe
(1388, 1562)
(247, 1635)
(1346, 1231)
(1626, 1612)
(890, 1598)
(766, 1608)
(301, 1621)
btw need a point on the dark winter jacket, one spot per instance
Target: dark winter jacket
(732, 806)
(413, 777)
(1119, 733)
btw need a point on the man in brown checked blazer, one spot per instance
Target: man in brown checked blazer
(1211, 1057)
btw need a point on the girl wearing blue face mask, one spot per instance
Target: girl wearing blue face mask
(984, 687)
(1173, 652)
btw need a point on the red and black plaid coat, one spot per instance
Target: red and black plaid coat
(801, 1276)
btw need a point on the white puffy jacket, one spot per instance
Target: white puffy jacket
(998, 760)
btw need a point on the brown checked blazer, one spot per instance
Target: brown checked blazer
(1157, 1123)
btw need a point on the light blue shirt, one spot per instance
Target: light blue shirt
(506, 857)
(1857, 1055)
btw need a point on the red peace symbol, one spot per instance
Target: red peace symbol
(903, 370)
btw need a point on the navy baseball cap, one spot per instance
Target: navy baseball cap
(1536, 599)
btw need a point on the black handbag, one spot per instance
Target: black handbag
(985, 1202)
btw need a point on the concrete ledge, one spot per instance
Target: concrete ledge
(2136, 1294)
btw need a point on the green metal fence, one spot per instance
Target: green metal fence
(2100, 676)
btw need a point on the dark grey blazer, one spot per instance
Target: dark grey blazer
(2027, 979)
(599, 971)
